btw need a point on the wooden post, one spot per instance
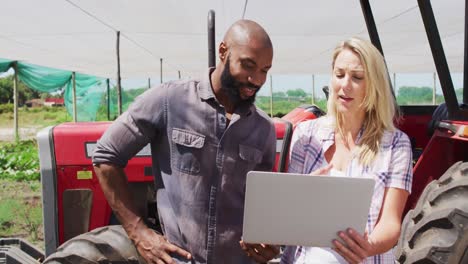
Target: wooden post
(394, 82)
(179, 75)
(119, 87)
(108, 99)
(271, 97)
(313, 89)
(434, 89)
(74, 96)
(160, 70)
(15, 101)
(149, 83)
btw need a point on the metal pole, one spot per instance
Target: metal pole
(465, 63)
(74, 96)
(211, 39)
(160, 70)
(108, 100)
(15, 101)
(149, 83)
(434, 90)
(271, 97)
(373, 34)
(179, 75)
(119, 87)
(440, 60)
(313, 89)
(370, 23)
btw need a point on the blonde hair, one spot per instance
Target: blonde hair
(379, 104)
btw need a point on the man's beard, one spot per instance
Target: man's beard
(232, 87)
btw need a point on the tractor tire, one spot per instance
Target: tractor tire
(109, 244)
(436, 230)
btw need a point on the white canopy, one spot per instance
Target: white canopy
(80, 35)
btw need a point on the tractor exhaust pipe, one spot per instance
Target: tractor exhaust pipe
(211, 39)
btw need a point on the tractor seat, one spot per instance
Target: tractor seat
(440, 113)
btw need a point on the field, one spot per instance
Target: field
(30, 120)
(20, 187)
(21, 210)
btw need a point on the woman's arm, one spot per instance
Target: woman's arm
(385, 235)
(388, 227)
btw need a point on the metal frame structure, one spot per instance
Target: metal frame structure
(454, 110)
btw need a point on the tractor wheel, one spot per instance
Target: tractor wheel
(436, 230)
(109, 244)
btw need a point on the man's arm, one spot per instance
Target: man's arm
(123, 139)
(153, 247)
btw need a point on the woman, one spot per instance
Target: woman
(357, 138)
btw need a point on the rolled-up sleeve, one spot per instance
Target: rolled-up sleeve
(133, 130)
(400, 173)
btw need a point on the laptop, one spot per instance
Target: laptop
(297, 209)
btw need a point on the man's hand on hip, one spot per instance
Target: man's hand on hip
(155, 248)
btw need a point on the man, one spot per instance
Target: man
(205, 135)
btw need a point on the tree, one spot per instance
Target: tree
(24, 93)
(296, 93)
(279, 94)
(459, 93)
(414, 95)
(6, 91)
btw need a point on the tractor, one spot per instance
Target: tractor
(435, 226)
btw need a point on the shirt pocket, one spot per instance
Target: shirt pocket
(250, 154)
(187, 150)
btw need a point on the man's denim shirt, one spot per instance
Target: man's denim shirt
(200, 163)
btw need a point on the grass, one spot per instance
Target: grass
(21, 211)
(36, 117)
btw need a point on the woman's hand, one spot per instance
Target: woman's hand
(356, 247)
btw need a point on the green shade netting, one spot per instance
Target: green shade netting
(89, 89)
(43, 79)
(5, 65)
(89, 96)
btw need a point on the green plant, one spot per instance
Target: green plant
(6, 108)
(19, 161)
(34, 186)
(31, 217)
